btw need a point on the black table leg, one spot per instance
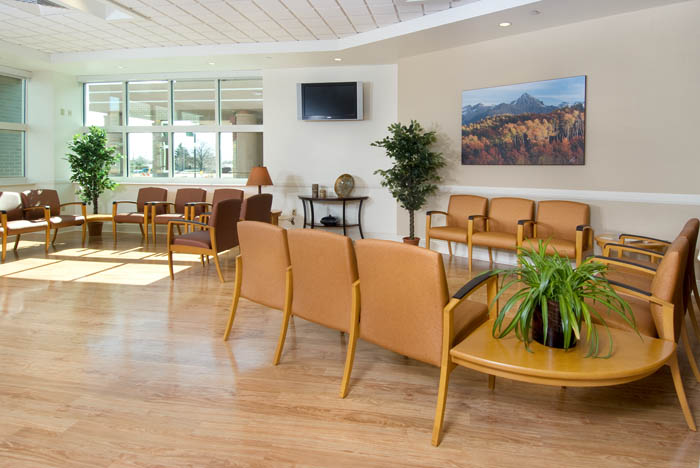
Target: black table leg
(344, 228)
(359, 219)
(311, 206)
(303, 205)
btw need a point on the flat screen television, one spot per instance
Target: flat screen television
(329, 101)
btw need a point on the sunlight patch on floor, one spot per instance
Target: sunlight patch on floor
(133, 274)
(24, 264)
(64, 270)
(82, 252)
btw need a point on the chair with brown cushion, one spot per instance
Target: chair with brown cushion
(205, 207)
(218, 235)
(502, 223)
(324, 284)
(659, 311)
(403, 297)
(140, 216)
(564, 226)
(48, 197)
(178, 211)
(263, 271)
(257, 208)
(459, 209)
(17, 219)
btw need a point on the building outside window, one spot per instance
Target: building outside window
(190, 128)
(13, 128)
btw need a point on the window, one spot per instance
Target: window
(198, 128)
(12, 126)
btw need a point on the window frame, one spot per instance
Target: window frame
(22, 127)
(171, 129)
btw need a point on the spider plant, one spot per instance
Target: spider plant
(551, 279)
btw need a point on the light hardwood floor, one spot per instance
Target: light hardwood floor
(104, 362)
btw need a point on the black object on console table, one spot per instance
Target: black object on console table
(344, 200)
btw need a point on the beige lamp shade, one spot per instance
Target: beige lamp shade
(259, 176)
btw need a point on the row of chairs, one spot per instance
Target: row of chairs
(509, 223)
(396, 296)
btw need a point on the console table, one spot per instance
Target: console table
(343, 200)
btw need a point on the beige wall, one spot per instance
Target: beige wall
(643, 100)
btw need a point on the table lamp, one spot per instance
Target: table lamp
(259, 176)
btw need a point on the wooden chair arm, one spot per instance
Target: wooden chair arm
(665, 328)
(196, 223)
(632, 249)
(3, 221)
(186, 223)
(116, 202)
(432, 212)
(82, 204)
(470, 225)
(155, 204)
(45, 208)
(521, 230)
(429, 219)
(581, 230)
(623, 264)
(637, 237)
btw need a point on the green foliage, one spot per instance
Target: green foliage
(90, 161)
(551, 277)
(414, 175)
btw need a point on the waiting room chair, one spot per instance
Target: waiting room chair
(257, 208)
(218, 235)
(403, 297)
(263, 270)
(659, 311)
(178, 211)
(16, 219)
(325, 289)
(48, 197)
(505, 215)
(140, 216)
(457, 215)
(204, 211)
(564, 226)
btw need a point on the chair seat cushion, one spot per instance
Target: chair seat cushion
(449, 233)
(26, 225)
(640, 310)
(564, 248)
(497, 240)
(134, 217)
(167, 217)
(468, 315)
(67, 220)
(194, 239)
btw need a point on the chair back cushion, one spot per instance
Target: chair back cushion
(690, 232)
(668, 281)
(187, 195)
(224, 194)
(147, 194)
(403, 291)
(463, 206)
(559, 219)
(224, 217)
(265, 259)
(504, 213)
(257, 208)
(323, 271)
(40, 197)
(12, 203)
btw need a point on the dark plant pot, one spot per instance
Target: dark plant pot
(414, 241)
(95, 229)
(555, 334)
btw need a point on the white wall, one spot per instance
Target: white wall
(300, 153)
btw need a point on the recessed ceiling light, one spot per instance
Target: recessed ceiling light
(268, 57)
(504, 24)
(119, 67)
(212, 63)
(338, 59)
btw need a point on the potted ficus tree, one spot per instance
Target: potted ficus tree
(553, 303)
(90, 160)
(414, 174)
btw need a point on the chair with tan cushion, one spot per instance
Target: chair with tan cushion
(564, 226)
(204, 210)
(140, 216)
(403, 296)
(324, 284)
(218, 235)
(257, 208)
(16, 219)
(659, 311)
(263, 271)
(501, 225)
(178, 211)
(48, 197)
(459, 209)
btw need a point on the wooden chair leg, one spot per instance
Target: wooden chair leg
(218, 267)
(470, 248)
(55, 234)
(114, 231)
(4, 245)
(693, 318)
(236, 296)
(490, 256)
(492, 382)
(179, 230)
(449, 247)
(283, 336)
(680, 392)
(201, 257)
(153, 231)
(427, 241)
(16, 244)
(689, 352)
(84, 234)
(352, 342)
(170, 264)
(141, 229)
(47, 241)
(445, 372)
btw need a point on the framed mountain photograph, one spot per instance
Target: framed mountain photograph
(538, 123)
